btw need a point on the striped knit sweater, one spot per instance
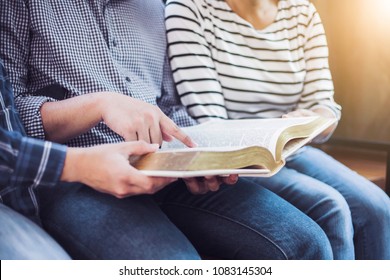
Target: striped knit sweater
(224, 68)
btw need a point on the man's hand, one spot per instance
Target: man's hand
(131, 118)
(134, 119)
(106, 168)
(202, 185)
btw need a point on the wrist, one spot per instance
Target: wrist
(325, 112)
(99, 103)
(72, 171)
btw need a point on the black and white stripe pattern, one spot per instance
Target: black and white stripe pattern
(224, 68)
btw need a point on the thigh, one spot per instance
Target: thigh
(245, 221)
(313, 197)
(369, 205)
(324, 204)
(356, 189)
(21, 239)
(92, 225)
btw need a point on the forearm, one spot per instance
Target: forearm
(66, 119)
(194, 71)
(318, 90)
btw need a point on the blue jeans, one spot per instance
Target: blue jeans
(238, 222)
(353, 212)
(244, 221)
(21, 239)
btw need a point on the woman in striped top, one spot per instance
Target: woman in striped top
(236, 59)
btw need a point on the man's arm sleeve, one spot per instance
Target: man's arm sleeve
(25, 165)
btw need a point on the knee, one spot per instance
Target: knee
(318, 247)
(299, 238)
(308, 244)
(332, 209)
(311, 243)
(371, 210)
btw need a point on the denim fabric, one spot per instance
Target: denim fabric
(21, 239)
(244, 221)
(353, 212)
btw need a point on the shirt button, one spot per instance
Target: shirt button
(128, 79)
(114, 43)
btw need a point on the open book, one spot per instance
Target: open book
(255, 147)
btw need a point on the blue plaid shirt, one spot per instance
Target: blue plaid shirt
(25, 163)
(61, 49)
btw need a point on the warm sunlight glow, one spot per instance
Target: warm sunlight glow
(377, 10)
(373, 17)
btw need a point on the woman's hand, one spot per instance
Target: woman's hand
(319, 111)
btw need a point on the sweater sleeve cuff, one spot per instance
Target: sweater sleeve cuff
(335, 111)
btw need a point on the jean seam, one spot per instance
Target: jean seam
(233, 221)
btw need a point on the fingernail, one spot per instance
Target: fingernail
(194, 144)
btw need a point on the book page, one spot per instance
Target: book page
(253, 161)
(227, 135)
